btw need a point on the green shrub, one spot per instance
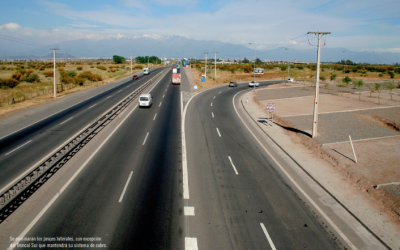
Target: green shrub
(71, 73)
(333, 77)
(391, 73)
(101, 67)
(346, 80)
(381, 75)
(17, 76)
(79, 80)
(31, 78)
(79, 68)
(90, 76)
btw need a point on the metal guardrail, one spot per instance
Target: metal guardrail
(18, 193)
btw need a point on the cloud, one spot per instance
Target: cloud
(84, 25)
(391, 50)
(10, 26)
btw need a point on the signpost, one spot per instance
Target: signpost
(271, 108)
(203, 79)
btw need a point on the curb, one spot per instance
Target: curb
(317, 182)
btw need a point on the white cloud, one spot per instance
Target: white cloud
(10, 26)
(392, 50)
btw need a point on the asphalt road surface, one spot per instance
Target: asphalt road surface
(24, 148)
(240, 200)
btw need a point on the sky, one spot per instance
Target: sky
(359, 25)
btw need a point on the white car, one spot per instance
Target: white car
(145, 100)
(253, 83)
(290, 80)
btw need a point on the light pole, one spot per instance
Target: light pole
(254, 71)
(131, 63)
(215, 64)
(54, 73)
(194, 62)
(205, 67)
(148, 65)
(288, 64)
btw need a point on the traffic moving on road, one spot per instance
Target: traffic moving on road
(187, 173)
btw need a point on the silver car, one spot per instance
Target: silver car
(253, 83)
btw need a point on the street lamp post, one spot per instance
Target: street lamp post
(54, 73)
(254, 71)
(344, 67)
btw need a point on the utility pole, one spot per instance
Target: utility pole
(54, 73)
(254, 71)
(288, 64)
(215, 64)
(205, 67)
(148, 65)
(131, 63)
(315, 120)
(194, 62)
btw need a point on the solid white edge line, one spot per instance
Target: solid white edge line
(145, 138)
(29, 227)
(154, 116)
(234, 168)
(218, 132)
(18, 147)
(119, 91)
(297, 185)
(185, 178)
(108, 97)
(211, 104)
(66, 120)
(191, 243)
(212, 113)
(92, 106)
(268, 237)
(214, 97)
(60, 146)
(126, 186)
(160, 104)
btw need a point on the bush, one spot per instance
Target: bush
(79, 80)
(71, 73)
(333, 77)
(90, 76)
(347, 80)
(391, 73)
(31, 78)
(381, 75)
(8, 83)
(17, 76)
(299, 67)
(79, 68)
(30, 71)
(101, 67)
(283, 67)
(322, 78)
(48, 73)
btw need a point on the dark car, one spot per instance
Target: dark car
(233, 84)
(135, 77)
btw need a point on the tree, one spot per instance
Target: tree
(258, 61)
(390, 86)
(245, 60)
(333, 77)
(378, 88)
(346, 80)
(118, 59)
(358, 85)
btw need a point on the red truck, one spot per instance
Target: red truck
(176, 78)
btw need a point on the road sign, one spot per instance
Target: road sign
(270, 107)
(203, 79)
(195, 87)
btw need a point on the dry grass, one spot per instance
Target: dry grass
(32, 94)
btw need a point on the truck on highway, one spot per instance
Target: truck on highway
(146, 71)
(176, 78)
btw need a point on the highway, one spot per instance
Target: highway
(146, 182)
(25, 147)
(239, 198)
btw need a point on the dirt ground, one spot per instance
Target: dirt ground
(377, 145)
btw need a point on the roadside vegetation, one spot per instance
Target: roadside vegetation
(24, 84)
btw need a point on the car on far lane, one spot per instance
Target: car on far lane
(253, 83)
(135, 77)
(145, 100)
(233, 84)
(290, 80)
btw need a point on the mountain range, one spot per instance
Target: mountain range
(179, 47)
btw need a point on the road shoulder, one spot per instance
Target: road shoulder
(330, 178)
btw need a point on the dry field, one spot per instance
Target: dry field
(31, 94)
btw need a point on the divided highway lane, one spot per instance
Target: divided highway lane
(130, 192)
(21, 150)
(240, 201)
